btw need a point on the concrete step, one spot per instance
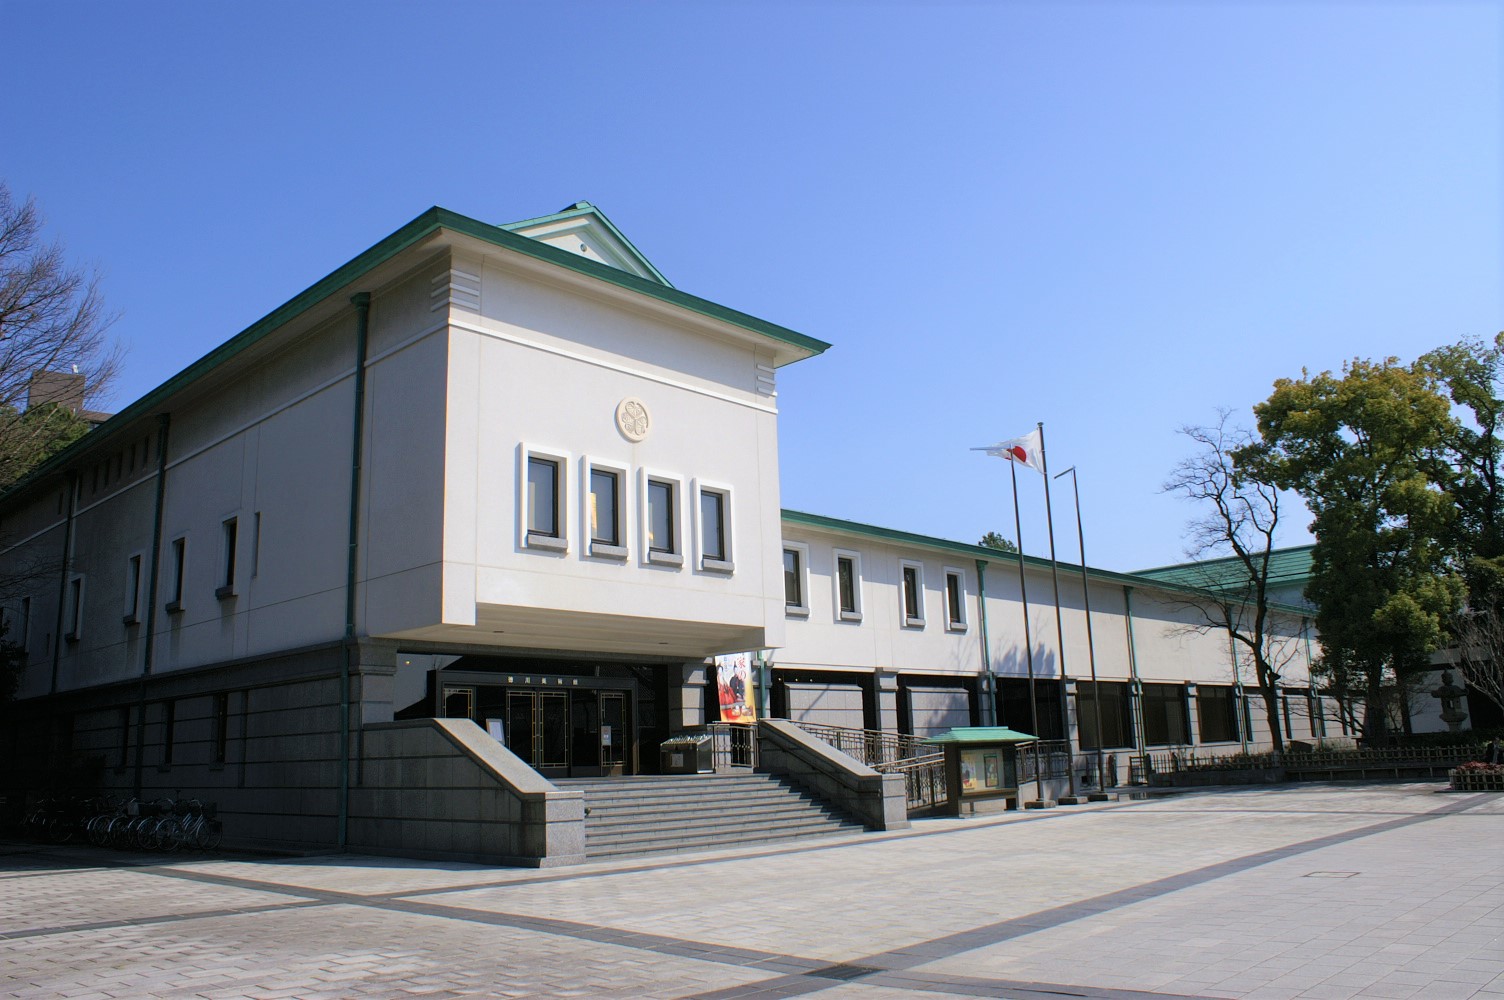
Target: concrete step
(648, 815)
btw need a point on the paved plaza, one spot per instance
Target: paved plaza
(1321, 891)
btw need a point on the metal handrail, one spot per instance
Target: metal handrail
(870, 746)
(923, 780)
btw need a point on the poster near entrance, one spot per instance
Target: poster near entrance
(733, 674)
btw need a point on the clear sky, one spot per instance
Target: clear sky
(1112, 217)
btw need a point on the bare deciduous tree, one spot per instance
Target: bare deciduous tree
(1237, 526)
(1479, 635)
(52, 320)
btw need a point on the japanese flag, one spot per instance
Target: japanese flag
(1023, 450)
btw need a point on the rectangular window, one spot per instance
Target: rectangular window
(848, 587)
(912, 575)
(793, 581)
(179, 568)
(1117, 724)
(1165, 715)
(542, 497)
(1318, 720)
(1217, 709)
(24, 638)
(221, 727)
(229, 533)
(75, 608)
(955, 600)
(605, 509)
(715, 534)
(132, 590)
(661, 521)
(255, 544)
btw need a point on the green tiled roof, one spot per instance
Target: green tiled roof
(983, 734)
(1287, 567)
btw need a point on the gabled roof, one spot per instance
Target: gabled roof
(1287, 568)
(585, 221)
(342, 281)
(894, 535)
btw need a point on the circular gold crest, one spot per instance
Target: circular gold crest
(632, 418)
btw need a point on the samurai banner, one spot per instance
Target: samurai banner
(733, 677)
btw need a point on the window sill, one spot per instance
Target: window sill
(601, 550)
(913, 622)
(850, 616)
(70, 637)
(666, 558)
(130, 619)
(174, 607)
(795, 612)
(955, 627)
(164, 768)
(534, 540)
(717, 565)
(224, 593)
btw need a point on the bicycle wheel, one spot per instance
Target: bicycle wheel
(164, 835)
(208, 835)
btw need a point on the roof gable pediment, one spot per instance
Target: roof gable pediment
(583, 229)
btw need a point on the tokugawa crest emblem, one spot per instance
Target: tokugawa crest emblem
(632, 418)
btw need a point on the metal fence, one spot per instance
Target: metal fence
(733, 746)
(923, 780)
(1045, 759)
(1297, 764)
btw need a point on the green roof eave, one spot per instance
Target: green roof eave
(419, 229)
(982, 734)
(583, 208)
(836, 524)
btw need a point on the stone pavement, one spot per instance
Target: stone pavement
(1320, 891)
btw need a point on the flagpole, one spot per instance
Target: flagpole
(1091, 650)
(1049, 515)
(1023, 590)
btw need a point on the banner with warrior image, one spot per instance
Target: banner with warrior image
(733, 678)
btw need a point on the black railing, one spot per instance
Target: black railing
(923, 780)
(870, 746)
(733, 746)
(1189, 760)
(1046, 759)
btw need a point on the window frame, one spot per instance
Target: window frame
(528, 538)
(177, 547)
(957, 621)
(674, 556)
(591, 546)
(75, 609)
(25, 640)
(801, 573)
(1182, 698)
(1121, 719)
(229, 545)
(905, 568)
(131, 613)
(725, 562)
(855, 558)
(1205, 693)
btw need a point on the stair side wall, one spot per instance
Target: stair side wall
(877, 800)
(443, 789)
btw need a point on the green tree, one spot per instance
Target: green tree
(992, 540)
(1367, 452)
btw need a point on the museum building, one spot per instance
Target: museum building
(511, 476)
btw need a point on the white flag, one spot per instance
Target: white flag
(1023, 450)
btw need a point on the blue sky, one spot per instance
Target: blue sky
(1113, 218)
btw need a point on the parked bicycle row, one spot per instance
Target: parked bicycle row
(162, 824)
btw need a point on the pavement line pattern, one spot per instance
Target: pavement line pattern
(790, 975)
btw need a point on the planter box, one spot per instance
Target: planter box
(1476, 781)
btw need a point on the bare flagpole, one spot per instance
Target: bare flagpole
(1059, 623)
(1023, 590)
(1091, 650)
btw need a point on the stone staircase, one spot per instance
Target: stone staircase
(654, 814)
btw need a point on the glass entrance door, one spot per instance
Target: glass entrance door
(613, 732)
(538, 730)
